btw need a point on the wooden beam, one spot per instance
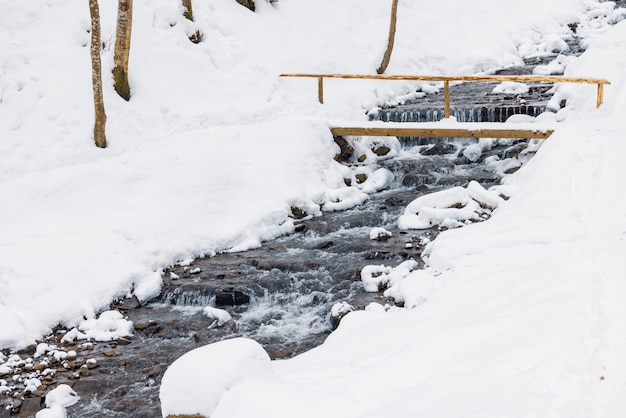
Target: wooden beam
(517, 78)
(600, 94)
(320, 89)
(463, 78)
(446, 98)
(441, 132)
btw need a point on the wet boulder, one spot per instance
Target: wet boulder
(231, 297)
(439, 149)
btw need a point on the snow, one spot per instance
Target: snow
(521, 315)
(379, 233)
(108, 326)
(219, 315)
(510, 87)
(217, 368)
(57, 400)
(451, 208)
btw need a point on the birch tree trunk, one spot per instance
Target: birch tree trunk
(122, 48)
(96, 76)
(188, 13)
(391, 38)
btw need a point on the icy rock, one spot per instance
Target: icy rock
(380, 234)
(379, 278)
(4, 370)
(473, 152)
(56, 402)
(381, 150)
(338, 311)
(42, 349)
(378, 180)
(439, 149)
(91, 363)
(219, 315)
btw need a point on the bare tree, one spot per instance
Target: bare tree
(391, 38)
(122, 48)
(96, 76)
(188, 13)
(196, 37)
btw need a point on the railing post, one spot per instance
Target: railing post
(446, 98)
(600, 94)
(320, 89)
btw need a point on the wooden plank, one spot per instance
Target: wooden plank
(441, 132)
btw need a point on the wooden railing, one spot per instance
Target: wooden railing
(447, 79)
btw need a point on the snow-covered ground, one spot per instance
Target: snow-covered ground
(519, 316)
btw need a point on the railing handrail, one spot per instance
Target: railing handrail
(447, 79)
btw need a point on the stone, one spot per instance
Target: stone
(325, 245)
(439, 149)
(128, 303)
(154, 371)
(123, 340)
(381, 150)
(231, 297)
(514, 151)
(298, 213)
(338, 311)
(360, 178)
(345, 150)
(143, 325)
(512, 170)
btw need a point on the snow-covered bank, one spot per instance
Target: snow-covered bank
(524, 316)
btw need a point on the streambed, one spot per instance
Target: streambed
(280, 294)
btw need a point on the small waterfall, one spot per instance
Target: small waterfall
(179, 296)
(473, 114)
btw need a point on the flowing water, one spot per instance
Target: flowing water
(280, 294)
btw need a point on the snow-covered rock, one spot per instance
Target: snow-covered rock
(195, 382)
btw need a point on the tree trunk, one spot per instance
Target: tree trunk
(122, 48)
(96, 76)
(247, 3)
(391, 39)
(188, 13)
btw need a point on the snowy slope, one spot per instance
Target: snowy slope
(524, 319)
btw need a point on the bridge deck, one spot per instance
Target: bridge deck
(444, 130)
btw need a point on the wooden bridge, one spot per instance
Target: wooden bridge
(487, 130)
